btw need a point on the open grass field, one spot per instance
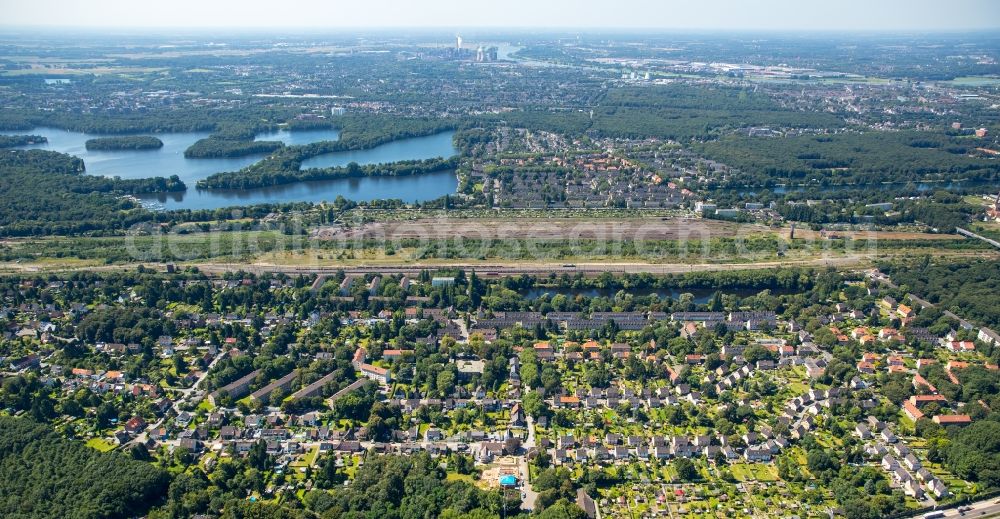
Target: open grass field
(987, 229)
(100, 444)
(544, 229)
(754, 472)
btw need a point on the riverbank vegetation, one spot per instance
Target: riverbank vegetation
(13, 141)
(45, 192)
(258, 178)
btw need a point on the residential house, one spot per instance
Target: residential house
(953, 419)
(380, 375)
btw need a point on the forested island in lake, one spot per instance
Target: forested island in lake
(13, 141)
(129, 142)
(257, 178)
(222, 147)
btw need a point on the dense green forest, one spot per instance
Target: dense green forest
(682, 112)
(13, 141)
(679, 112)
(849, 158)
(968, 289)
(127, 142)
(941, 210)
(44, 475)
(260, 178)
(218, 147)
(974, 453)
(404, 486)
(160, 121)
(46, 193)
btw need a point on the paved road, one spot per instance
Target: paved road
(463, 330)
(185, 396)
(528, 501)
(528, 495)
(971, 234)
(980, 509)
(530, 442)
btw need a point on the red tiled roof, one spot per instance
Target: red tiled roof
(952, 418)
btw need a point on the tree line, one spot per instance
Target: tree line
(43, 192)
(13, 141)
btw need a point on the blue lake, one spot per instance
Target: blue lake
(415, 188)
(169, 160)
(439, 145)
(300, 137)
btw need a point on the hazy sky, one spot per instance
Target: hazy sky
(942, 15)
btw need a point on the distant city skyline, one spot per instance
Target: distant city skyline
(733, 15)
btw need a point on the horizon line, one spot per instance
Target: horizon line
(521, 28)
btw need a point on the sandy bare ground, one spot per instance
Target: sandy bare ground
(544, 229)
(490, 477)
(807, 234)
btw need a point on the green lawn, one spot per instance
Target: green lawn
(100, 444)
(754, 472)
(460, 477)
(311, 456)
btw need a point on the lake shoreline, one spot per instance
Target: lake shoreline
(169, 160)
